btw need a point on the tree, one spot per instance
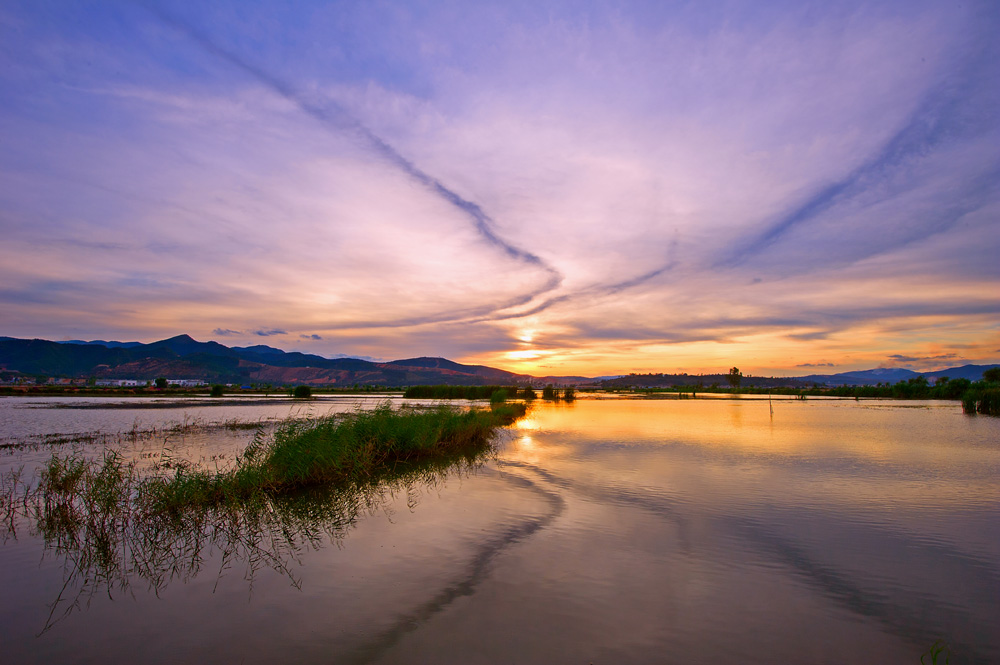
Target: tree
(217, 390)
(734, 377)
(992, 375)
(302, 392)
(161, 383)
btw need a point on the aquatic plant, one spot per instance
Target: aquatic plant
(981, 400)
(935, 652)
(299, 453)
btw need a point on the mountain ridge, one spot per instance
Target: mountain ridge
(183, 357)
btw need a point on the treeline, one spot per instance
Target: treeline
(699, 381)
(977, 397)
(492, 393)
(458, 392)
(914, 388)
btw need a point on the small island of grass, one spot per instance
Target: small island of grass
(330, 450)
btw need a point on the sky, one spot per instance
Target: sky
(556, 188)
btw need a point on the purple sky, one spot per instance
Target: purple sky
(556, 188)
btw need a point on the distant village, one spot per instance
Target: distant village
(13, 378)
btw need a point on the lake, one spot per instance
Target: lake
(602, 531)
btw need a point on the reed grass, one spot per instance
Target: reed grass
(299, 453)
(982, 400)
(306, 481)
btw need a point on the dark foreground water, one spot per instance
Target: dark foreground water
(607, 531)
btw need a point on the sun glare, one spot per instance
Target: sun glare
(527, 354)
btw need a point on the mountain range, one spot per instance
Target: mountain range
(182, 357)
(871, 377)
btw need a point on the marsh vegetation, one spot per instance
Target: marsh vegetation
(306, 482)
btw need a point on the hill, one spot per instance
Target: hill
(183, 357)
(873, 377)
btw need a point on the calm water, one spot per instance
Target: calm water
(607, 531)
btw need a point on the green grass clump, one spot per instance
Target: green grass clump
(338, 449)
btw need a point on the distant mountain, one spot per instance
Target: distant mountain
(260, 349)
(970, 372)
(183, 357)
(99, 342)
(185, 345)
(450, 368)
(872, 377)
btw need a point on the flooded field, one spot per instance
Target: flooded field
(601, 531)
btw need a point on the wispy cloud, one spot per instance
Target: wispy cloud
(335, 117)
(269, 332)
(644, 186)
(899, 358)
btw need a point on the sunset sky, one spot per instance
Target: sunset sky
(546, 187)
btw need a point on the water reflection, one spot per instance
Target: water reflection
(109, 545)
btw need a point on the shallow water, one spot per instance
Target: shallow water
(607, 531)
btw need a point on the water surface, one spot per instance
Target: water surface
(606, 531)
